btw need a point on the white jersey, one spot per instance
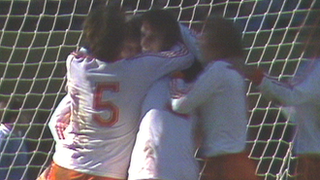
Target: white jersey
(190, 39)
(220, 99)
(165, 146)
(158, 96)
(105, 108)
(304, 99)
(58, 124)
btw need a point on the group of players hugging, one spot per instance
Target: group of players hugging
(147, 97)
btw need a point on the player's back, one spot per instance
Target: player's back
(223, 104)
(165, 144)
(106, 102)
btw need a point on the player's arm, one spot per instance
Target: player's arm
(60, 119)
(178, 86)
(190, 39)
(166, 62)
(207, 84)
(306, 91)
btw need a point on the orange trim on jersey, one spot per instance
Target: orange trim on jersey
(99, 104)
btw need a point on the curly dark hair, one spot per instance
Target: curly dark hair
(104, 30)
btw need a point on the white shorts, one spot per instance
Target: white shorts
(164, 148)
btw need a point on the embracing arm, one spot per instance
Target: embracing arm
(60, 119)
(190, 39)
(285, 93)
(306, 91)
(166, 62)
(203, 89)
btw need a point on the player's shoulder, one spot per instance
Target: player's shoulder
(84, 62)
(222, 70)
(220, 64)
(79, 57)
(216, 67)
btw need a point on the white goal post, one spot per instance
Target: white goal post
(37, 35)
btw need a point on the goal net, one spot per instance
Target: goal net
(37, 35)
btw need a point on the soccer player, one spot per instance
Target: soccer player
(164, 147)
(302, 95)
(218, 96)
(104, 96)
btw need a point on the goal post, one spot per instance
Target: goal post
(37, 35)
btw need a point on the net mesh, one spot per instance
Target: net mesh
(37, 35)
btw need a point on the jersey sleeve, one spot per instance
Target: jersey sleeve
(207, 84)
(166, 62)
(59, 120)
(190, 39)
(179, 88)
(305, 91)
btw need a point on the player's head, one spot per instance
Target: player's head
(160, 30)
(131, 46)
(104, 30)
(220, 40)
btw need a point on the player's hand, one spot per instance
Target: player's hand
(178, 88)
(169, 108)
(177, 74)
(253, 73)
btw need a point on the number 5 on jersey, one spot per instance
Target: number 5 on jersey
(100, 104)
